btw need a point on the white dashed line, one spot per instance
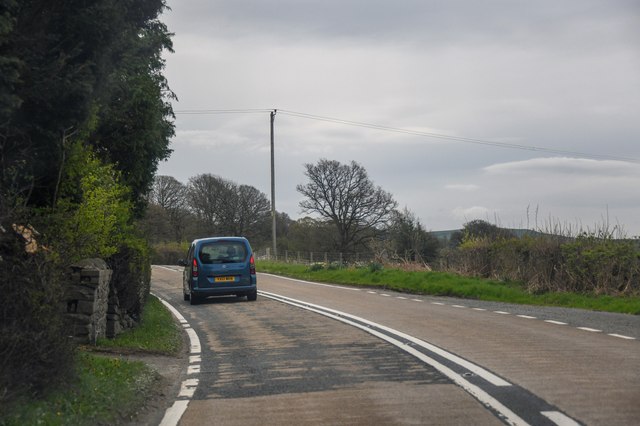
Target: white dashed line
(559, 418)
(593, 330)
(621, 336)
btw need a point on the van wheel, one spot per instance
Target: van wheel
(251, 297)
(186, 297)
(194, 299)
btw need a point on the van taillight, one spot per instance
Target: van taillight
(252, 266)
(194, 269)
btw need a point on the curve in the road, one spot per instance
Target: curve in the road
(509, 402)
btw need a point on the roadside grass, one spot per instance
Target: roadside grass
(448, 284)
(106, 389)
(156, 333)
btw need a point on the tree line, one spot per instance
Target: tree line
(85, 117)
(348, 213)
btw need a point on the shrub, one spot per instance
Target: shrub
(34, 349)
(168, 253)
(602, 265)
(375, 267)
(316, 267)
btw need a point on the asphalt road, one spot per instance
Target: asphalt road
(403, 359)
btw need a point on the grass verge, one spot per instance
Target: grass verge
(106, 389)
(156, 333)
(447, 284)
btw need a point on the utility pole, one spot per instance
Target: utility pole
(273, 190)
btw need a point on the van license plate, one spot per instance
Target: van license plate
(224, 279)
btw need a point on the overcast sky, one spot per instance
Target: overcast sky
(561, 76)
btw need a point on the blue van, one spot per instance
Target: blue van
(217, 267)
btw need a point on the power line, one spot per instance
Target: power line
(415, 133)
(221, 111)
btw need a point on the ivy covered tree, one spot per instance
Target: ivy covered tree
(84, 120)
(81, 71)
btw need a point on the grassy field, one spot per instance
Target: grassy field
(447, 284)
(106, 389)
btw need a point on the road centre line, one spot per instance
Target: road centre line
(559, 418)
(477, 370)
(621, 336)
(593, 330)
(555, 322)
(445, 304)
(367, 326)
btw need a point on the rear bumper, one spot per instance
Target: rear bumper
(224, 291)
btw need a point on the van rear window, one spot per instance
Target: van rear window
(223, 252)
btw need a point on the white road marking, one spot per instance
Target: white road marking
(593, 330)
(526, 316)
(501, 312)
(509, 416)
(385, 295)
(311, 282)
(195, 342)
(174, 413)
(188, 387)
(372, 292)
(622, 336)
(401, 298)
(437, 303)
(555, 322)
(417, 300)
(458, 306)
(559, 418)
(479, 309)
(344, 317)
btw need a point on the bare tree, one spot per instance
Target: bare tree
(171, 196)
(344, 194)
(228, 208)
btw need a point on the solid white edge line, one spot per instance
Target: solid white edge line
(174, 413)
(509, 416)
(479, 371)
(188, 387)
(559, 418)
